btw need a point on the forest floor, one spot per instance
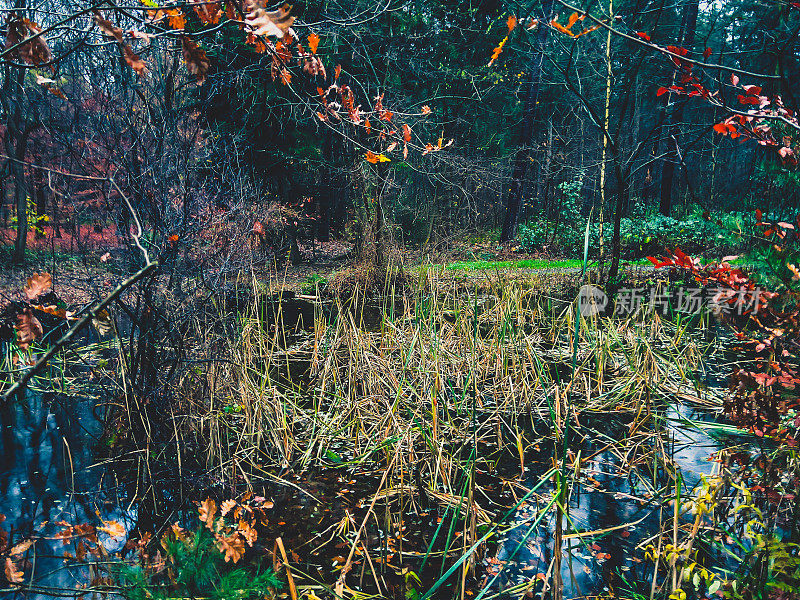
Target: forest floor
(82, 275)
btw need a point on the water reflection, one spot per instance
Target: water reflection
(48, 475)
(615, 500)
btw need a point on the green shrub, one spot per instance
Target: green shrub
(642, 235)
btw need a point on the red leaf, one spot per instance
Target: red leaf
(406, 133)
(707, 53)
(643, 35)
(721, 128)
(759, 215)
(734, 79)
(661, 91)
(753, 90)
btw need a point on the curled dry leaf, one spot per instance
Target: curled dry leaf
(45, 81)
(38, 285)
(274, 23)
(197, 62)
(227, 506)
(20, 548)
(314, 67)
(112, 31)
(29, 329)
(12, 574)
(248, 532)
(134, 61)
(35, 51)
(208, 12)
(207, 510)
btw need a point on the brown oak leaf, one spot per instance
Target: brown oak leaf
(35, 51)
(197, 62)
(227, 506)
(273, 23)
(38, 285)
(207, 511)
(232, 546)
(29, 329)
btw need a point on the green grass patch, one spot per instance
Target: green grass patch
(529, 263)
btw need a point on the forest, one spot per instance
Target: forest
(402, 299)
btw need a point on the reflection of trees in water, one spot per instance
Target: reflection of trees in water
(624, 493)
(45, 476)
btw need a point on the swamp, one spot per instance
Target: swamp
(404, 300)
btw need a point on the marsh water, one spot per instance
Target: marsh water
(52, 473)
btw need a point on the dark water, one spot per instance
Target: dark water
(48, 475)
(608, 497)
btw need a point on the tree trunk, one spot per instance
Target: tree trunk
(623, 190)
(675, 116)
(21, 201)
(530, 115)
(327, 192)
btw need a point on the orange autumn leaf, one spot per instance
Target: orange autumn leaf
(38, 285)
(313, 42)
(374, 159)
(208, 12)
(20, 548)
(497, 51)
(561, 28)
(286, 77)
(228, 505)
(112, 528)
(232, 546)
(406, 133)
(207, 509)
(512, 22)
(12, 574)
(248, 532)
(589, 30)
(177, 20)
(426, 110)
(573, 18)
